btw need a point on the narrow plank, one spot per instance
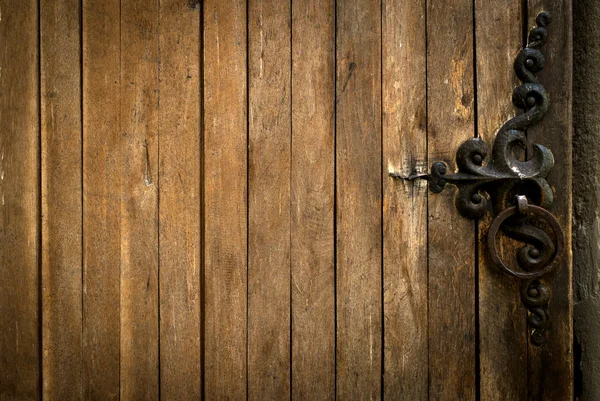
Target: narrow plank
(359, 200)
(404, 202)
(451, 236)
(179, 194)
(313, 198)
(139, 204)
(551, 366)
(101, 199)
(225, 199)
(61, 140)
(269, 53)
(502, 318)
(19, 202)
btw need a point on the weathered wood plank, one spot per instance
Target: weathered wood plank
(139, 202)
(502, 318)
(179, 194)
(101, 199)
(313, 198)
(404, 202)
(551, 366)
(225, 198)
(61, 164)
(19, 202)
(269, 53)
(359, 200)
(451, 236)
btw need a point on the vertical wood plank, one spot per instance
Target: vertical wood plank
(404, 203)
(179, 187)
(179, 210)
(313, 198)
(269, 28)
(359, 200)
(139, 203)
(451, 236)
(101, 198)
(61, 140)
(19, 202)
(502, 318)
(225, 198)
(551, 366)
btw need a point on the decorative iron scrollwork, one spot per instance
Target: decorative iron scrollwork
(495, 180)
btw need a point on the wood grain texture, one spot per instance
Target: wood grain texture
(404, 202)
(225, 199)
(313, 198)
(101, 199)
(451, 236)
(359, 200)
(179, 194)
(551, 367)
(502, 317)
(139, 202)
(61, 164)
(269, 366)
(19, 202)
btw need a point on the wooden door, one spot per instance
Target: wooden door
(204, 200)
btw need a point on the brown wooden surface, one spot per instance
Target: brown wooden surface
(19, 201)
(450, 101)
(139, 200)
(269, 72)
(404, 106)
(61, 141)
(359, 200)
(313, 198)
(197, 203)
(101, 199)
(551, 367)
(225, 199)
(179, 200)
(502, 317)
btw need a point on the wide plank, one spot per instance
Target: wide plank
(404, 106)
(359, 200)
(451, 263)
(502, 317)
(313, 199)
(62, 229)
(101, 198)
(225, 199)
(19, 202)
(269, 74)
(139, 202)
(551, 366)
(179, 197)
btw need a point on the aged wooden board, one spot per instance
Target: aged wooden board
(19, 201)
(404, 106)
(450, 121)
(102, 165)
(269, 159)
(61, 192)
(313, 198)
(359, 200)
(179, 200)
(225, 199)
(551, 367)
(502, 321)
(139, 201)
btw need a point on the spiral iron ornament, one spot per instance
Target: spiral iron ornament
(516, 190)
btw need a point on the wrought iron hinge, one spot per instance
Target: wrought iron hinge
(515, 189)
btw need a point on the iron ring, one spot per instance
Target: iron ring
(532, 210)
